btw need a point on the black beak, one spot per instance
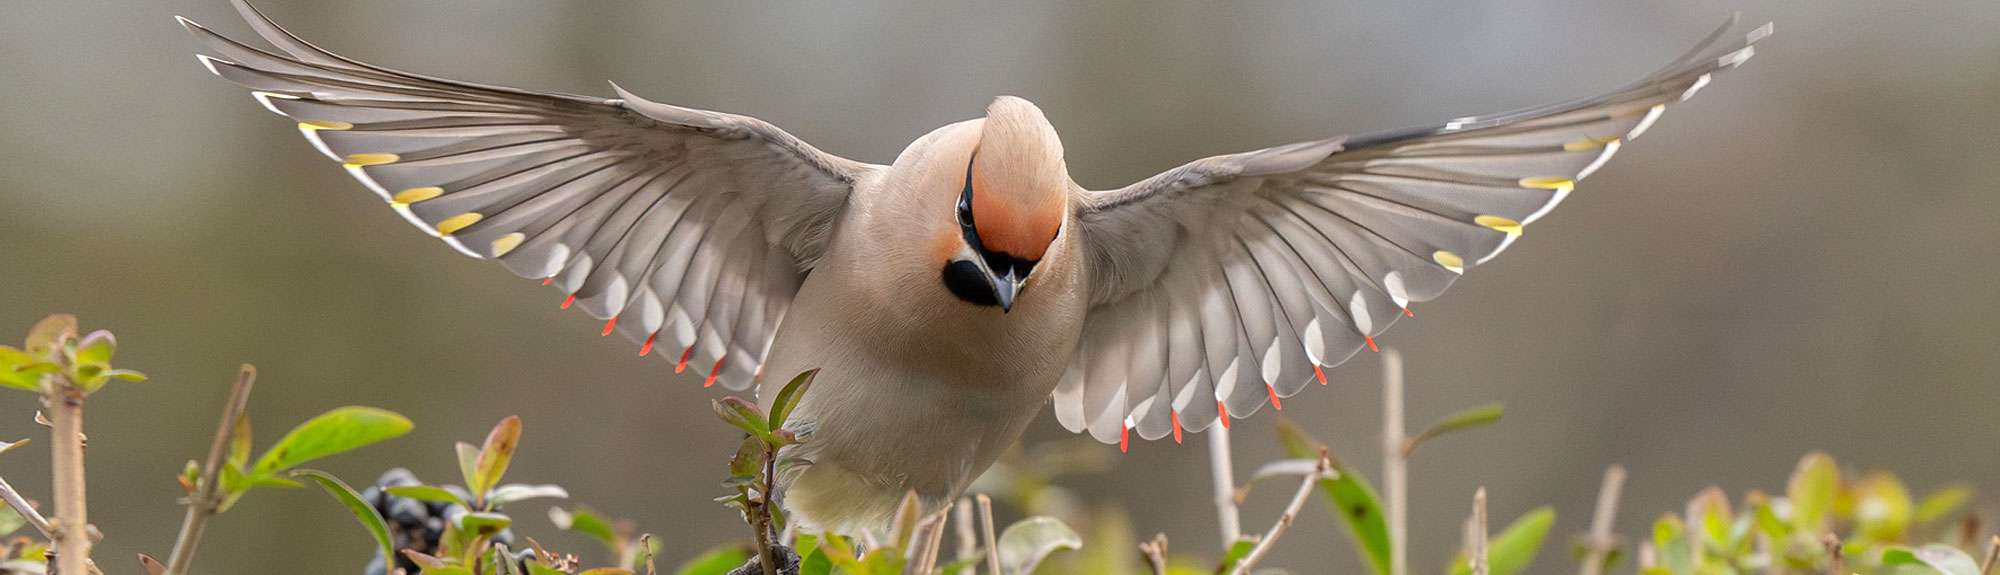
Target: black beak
(1005, 288)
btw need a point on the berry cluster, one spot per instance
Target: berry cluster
(418, 525)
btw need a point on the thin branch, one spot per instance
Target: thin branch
(968, 537)
(1992, 556)
(934, 544)
(1155, 552)
(1600, 544)
(761, 519)
(1836, 557)
(986, 531)
(1222, 472)
(27, 511)
(72, 524)
(208, 495)
(1270, 539)
(1477, 557)
(1395, 467)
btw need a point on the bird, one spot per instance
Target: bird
(946, 296)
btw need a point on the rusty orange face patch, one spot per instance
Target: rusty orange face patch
(1017, 212)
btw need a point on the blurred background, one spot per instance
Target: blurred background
(1800, 258)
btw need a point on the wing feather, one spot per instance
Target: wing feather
(1265, 268)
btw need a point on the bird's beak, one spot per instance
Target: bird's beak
(1005, 288)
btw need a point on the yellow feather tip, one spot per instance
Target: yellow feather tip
(458, 222)
(507, 243)
(1449, 260)
(1499, 224)
(324, 125)
(414, 195)
(1549, 183)
(361, 160)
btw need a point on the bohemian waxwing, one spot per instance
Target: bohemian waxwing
(946, 295)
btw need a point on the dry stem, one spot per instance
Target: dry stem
(1992, 556)
(1836, 559)
(72, 524)
(1222, 472)
(1155, 552)
(202, 505)
(27, 511)
(1600, 543)
(986, 531)
(1395, 467)
(968, 538)
(1270, 538)
(1478, 558)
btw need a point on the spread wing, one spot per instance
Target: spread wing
(688, 228)
(1232, 281)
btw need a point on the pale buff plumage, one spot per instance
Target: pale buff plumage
(945, 296)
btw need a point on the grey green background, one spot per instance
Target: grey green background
(1801, 258)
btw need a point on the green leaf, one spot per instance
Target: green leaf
(717, 561)
(125, 374)
(1470, 418)
(362, 511)
(1671, 540)
(1514, 548)
(816, 563)
(537, 568)
(789, 396)
(20, 370)
(46, 337)
(517, 492)
(494, 456)
(1027, 542)
(1882, 508)
(1812, 490)
(1945, 559)
(96, 348)
(1942, 503)
(468, 461)
(483, 523)
(743, 415)
(447, 570)
(427, 493)
(1235, 554)
(1350, 496)
(583, 520)
(333, 432)
(10, 520)
(239, 443)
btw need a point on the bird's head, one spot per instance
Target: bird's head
(1011, 206)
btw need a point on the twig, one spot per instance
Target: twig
(1222, 472)
(28, 512)
(1992, 556)
(934, 544)
(72, 524)
(1481, 564)
(1600, 544)
(1155, 552)
(1270, 539)
(968, 538)
(1836, 557)
(986, 531)
(208, 495)
(1395, 467)
(761, 519)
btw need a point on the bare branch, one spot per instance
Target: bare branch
(1836, 557)
(208, 496)
(1992, 556)
(1477, 556)
(968, 534)
(1600, 544)
(1155, 552)
(72, 525)
(986, 531)
(1395, 466)
(1270, 539)
(27, 511)
(1222, 472)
